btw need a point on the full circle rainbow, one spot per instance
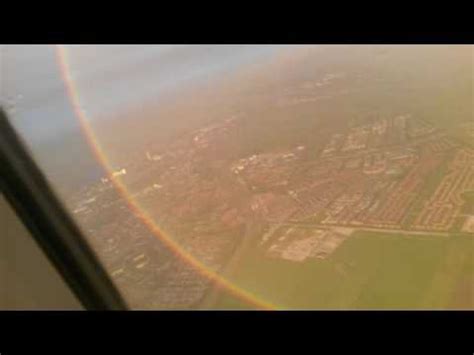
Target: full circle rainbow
(63, 58)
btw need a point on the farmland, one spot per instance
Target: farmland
(369, 271)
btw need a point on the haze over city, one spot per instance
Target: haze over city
(250, 177)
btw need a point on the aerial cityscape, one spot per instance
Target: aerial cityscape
(341, 179)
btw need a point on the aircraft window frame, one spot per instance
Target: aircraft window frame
(27, 190)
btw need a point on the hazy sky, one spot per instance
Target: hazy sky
(109, 79)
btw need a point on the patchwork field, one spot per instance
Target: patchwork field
(369, 270)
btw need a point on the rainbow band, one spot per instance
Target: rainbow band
(220, 281)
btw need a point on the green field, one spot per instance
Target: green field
(368, 271)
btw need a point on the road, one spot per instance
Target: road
(366, 228)
(252, 231)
